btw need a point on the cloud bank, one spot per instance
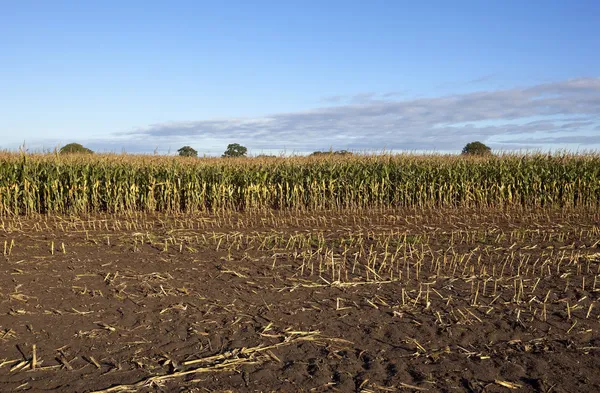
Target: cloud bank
(563, 114)
(566, 112)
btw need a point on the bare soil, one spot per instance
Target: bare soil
(377, 301)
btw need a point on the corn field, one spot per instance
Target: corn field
(47, 183)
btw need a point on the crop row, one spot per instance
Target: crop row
(46, 184)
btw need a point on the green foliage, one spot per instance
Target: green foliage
(75, 148)
(80, 184)
(235, 150)
(332, 153)
(187, 151)
(476, 149)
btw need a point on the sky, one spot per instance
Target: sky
(299, 76)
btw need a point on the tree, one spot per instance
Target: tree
(75, 148)
(235, 150)
(187, 151)
(332, 153)
(476, 149)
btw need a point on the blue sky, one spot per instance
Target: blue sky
(300, 76)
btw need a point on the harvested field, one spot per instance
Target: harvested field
(374, 300)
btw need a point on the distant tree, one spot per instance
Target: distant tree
(476, 149)
(187, 151)
(235, 150)
(332, 153)
(74, 148)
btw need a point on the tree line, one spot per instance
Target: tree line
(236, 150)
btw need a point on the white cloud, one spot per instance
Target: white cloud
(562, 113)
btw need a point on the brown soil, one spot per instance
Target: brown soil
(379, 301)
